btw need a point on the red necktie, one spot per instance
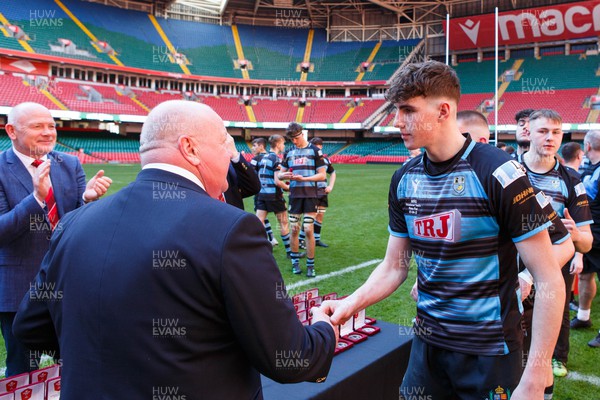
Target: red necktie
(50, 202)
(222, 198)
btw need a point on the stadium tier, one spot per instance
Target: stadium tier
(569, 103)
(136, 39)
(99, 147)
(15, 90)
(273, 59)
(326, 110)
(364, 109)
(94, 98)
(268, 110)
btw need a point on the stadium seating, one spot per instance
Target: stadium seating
(210, 48)
(14, 91)
(568, 103)
(369, 151)
(330, 148)
(45, 22)
(364, 110)
(388, 59)
(74, 96)
(228, 108)
(268, 110)
(273, 59)
(151, 99)
(5, 142)
(99, 147)
(325, 110)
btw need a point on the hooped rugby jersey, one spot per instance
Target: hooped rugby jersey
(591, 180)
(306, 162)
(462, 218)
(321, 185)
(266, 165)
(565, 190)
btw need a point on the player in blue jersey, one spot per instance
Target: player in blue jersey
(303, 166)
(568, 199)
(325, 187)
(460, 210)
(270, 198)
(591, 260)
(259, 146)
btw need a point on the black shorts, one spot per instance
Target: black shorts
(435, 373)
(276, 206)
(323, 202)
(303, 205)
(591, 261)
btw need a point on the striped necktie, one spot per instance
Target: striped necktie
(50, 202)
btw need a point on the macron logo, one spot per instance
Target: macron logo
(471, 29)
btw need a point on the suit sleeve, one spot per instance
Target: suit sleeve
(261, 312)
(248, 181)
(80, 176)
(33, 324)
(17, 221)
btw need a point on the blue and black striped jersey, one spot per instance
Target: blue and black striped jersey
(462, 221)
(565, 190)
(266, 165)
(591, 180)
(330, 170)
(306, 162)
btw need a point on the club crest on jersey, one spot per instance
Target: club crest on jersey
(509, 172)
(444, 226)
(458, 185)
(499, 394)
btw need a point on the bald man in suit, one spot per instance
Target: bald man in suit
(172, 290)
(28, 171)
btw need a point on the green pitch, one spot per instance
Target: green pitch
(355, 227)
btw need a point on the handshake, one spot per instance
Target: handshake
(335, 313)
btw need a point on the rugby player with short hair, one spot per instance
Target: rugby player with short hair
(568, 198)
(591, 260)
(303, 166)
(459, 209)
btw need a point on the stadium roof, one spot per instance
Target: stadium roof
(325, 13)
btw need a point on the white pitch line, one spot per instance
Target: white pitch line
(576, 376)
(335, 273)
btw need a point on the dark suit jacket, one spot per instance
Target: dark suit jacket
(24, 230)
(243, 182)
(169, 290)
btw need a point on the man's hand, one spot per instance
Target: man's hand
(569, 223)
(340, 311)
(414, 291)
(318, 315)
(576, 264)
(41, 181)
(525, 288)
(96, 187)
(328, 189)
(235, 154)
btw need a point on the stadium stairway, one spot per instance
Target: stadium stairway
(594, 113)
(307, 51)
(23, 43)
(168, 43)
(92, 37)
(239, 50)
(515, 67)
(369, 60)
